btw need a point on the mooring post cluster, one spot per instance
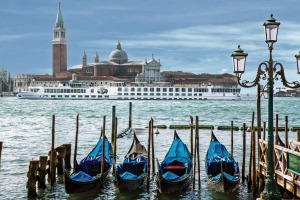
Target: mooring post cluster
(57, 161)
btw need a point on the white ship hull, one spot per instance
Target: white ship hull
(132, 93)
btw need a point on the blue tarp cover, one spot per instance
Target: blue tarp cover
(133, 164)
(216, 154)
(171, 176)
(128, 176)
(81, 177)
(178, 151)
(95, 156)
(227, 176)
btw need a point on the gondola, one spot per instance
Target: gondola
(175, 171)
(131, 173)
(86, 175)
(220, 166)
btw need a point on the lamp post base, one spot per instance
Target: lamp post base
(270, 191)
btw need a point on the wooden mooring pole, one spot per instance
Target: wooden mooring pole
(76, 140)
(253, 143)
(192, 134)
(197, 148)
(103, 150)
(114, 139)
(298, 135)
(32, 178)
(42, 171)
(53, 155)
(286, 132)
(130, 115)
(61, 153)
(113, 124)
(152, 148)
(231, 134)
(244, 152)
(1, 144)
(148, 155)
(67, 156)
(264, 130)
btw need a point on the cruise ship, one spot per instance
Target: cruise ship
(76, 90)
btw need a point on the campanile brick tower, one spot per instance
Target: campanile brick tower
(59, 46)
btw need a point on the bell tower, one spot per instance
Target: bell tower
(59, 45)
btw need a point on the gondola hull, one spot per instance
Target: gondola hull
(165, 186)
(223, 184)
(130, 185)
(73, 186)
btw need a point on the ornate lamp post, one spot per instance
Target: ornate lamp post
(271, 71)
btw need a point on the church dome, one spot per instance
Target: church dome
(118, 55)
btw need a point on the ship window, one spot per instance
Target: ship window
(145, 94)
(151, 89)
(164, 89)
(171, 94)
(73, 96)
(67, 96)
(176, 89)
(52, 95)
(190, 94)
(145, 89)
(157, 94)
(195, 94)
(86, 96)
(120, 89)
(190, 89)
(151, 94)
(170, 89)
(125, 93)
(138, 94)
(132, 89)
(183, 89)
(79, 96)
(59, 96)
(68, 90)
(164, 94)
(183, 94)
(139, 89)
(93, 96)
(157, 89)
(176, 94)
(131, 93)
(195, 89)
(120, 93)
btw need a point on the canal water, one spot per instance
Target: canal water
(25, 129)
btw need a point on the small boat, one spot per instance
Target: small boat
(175, 171)
(156, 131)
(86, 175)
(131, 174)
(221, 168)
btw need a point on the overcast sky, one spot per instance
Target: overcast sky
(192, 35)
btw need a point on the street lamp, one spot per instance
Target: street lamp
(271, 71)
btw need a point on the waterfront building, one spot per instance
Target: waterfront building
(118, 68)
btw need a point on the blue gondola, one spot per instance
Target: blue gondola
(131, 174)
(221, 168)
(86, 175)
(175, 171)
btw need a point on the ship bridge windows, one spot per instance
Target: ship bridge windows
(176, 90)
(145, 89)
(164, 89)
(183, 89)
(151, 89)
(157, 89)
(170, 89)
(190, 89)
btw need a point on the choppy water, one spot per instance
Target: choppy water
(25, 129)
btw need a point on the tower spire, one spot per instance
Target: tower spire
(59, 19)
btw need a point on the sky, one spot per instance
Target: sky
(193, 35)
